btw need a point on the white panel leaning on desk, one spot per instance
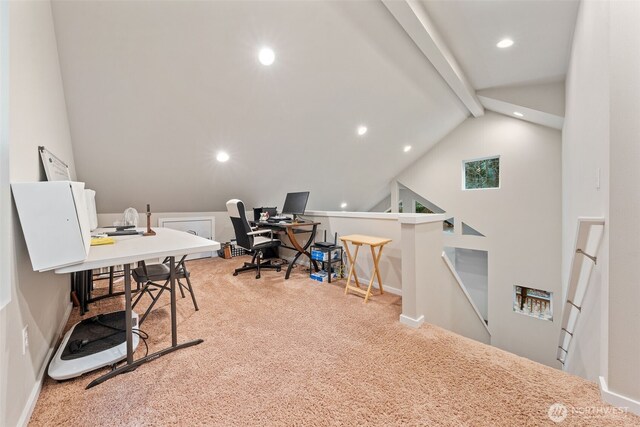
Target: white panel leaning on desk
(33, 201)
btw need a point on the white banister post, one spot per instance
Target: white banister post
(395, 196)
(421, 245)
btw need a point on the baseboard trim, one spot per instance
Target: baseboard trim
(27, 411)
(411, 322)
(390, 289)
(616, 399)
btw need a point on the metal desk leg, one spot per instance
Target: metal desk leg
(131, 364)
(174, 321)
(110, 280)
(128, 312)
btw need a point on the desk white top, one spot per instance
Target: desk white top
(130, 249)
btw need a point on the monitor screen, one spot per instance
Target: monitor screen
(295, 203)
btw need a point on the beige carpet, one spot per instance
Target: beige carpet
(283, 353)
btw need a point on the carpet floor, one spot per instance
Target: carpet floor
(284, 353)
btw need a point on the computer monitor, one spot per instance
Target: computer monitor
(295, 203)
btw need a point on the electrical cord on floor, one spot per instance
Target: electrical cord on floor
(144, 337)
(139, 332)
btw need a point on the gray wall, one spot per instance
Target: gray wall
(38, 117)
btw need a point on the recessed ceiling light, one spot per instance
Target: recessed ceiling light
(343, 205)
(407, 148)
(362, 130)
(222, 157)
(266, 56)
(504, 43)
(518, 114)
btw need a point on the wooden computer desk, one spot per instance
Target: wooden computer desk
(292, 229)
(358, 240)
(128, 250)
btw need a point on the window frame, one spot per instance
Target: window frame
(479, 159)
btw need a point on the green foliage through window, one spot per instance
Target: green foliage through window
(482, 173)
(420, 208)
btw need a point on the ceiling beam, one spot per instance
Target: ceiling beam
(529, 114)
(414, 19)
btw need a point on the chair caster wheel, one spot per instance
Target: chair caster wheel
(235, 273)
(278, 270)
(257, 276)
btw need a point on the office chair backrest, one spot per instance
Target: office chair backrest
(241, 226)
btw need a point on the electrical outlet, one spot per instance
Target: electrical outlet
(25, 339)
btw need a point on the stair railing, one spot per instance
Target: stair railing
(584, 258)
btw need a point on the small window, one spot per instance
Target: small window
(533, 302)
(481, 173)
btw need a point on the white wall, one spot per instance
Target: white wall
(5, 196)
(372, 224)
(602, 132)
(624, 199)
(521, 220)
(432, 292)
(585, 150)
(223, 228)
(37, 117)
(471, 265)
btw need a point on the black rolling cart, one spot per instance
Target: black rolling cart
(330, 260)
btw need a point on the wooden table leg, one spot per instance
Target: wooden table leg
(352, 267)
(346, 248)
(376, 268)
(355, 274)
(368, 293)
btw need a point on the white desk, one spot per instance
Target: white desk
(130, 249)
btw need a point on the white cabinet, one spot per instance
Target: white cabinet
(54, 221)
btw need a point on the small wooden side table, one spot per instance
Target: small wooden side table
(358, 240)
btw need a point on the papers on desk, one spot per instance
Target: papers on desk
(97, 241)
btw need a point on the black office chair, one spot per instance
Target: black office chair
(253, 240)
(149, 277)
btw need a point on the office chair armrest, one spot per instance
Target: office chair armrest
(263, 231)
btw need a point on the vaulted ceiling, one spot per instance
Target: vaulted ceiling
(155, 89)
(542, 31)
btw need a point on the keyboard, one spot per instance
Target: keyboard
(275, 220)
(280, 218)
(123, 233)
